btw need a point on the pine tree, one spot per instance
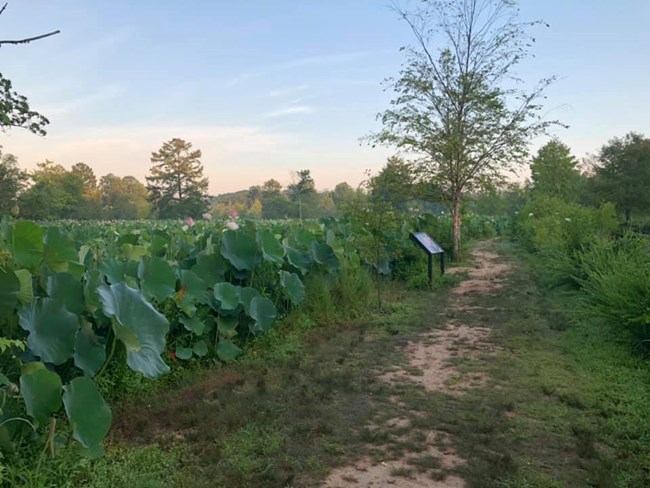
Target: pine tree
(177, 187)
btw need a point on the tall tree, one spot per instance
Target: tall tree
(12, 181)
(123, 198)
(554, 172)
(177, 187)
(301, 188)
(456, 110)
(623, 173)
(395, 183)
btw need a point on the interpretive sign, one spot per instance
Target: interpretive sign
(431, 247)
(426, 243)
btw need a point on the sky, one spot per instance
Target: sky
(265, 88)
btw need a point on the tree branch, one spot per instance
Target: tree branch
(4, 7)
(29, 39)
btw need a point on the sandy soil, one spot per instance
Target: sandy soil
(430, 365)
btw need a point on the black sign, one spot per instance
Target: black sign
(426, 243)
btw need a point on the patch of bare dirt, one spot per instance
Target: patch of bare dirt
(431, 365)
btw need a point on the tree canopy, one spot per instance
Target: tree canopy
(623, 173)
(554, 172)
(177, 187)
(456, 110)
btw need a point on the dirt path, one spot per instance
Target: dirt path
(434, 361)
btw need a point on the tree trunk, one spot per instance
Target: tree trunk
(456, 230)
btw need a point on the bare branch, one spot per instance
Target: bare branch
(4, 7)
(29, 39)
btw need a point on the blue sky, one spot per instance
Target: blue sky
(265, 88)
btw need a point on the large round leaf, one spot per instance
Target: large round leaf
(240, 250)
(227, 326)
(59, 250)
(139, 326)
(9, 291)
(194, 289)
(68, 290)
(211, 268)
(272, 249)
(227, 294)
(299, 259)
(157, 278)
(323, 254)
(292, 286)
(88, 413)
(27, 244)
(41, 391)
(26, 293)
(89, 351)
(193, 324)
(246, 295)
(263, 312)
(52, 329)
(227, 350)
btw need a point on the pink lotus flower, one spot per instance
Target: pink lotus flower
(232, 225)
(233, 214)
(189, 221)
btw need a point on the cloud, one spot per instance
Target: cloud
(298, 62)
(296, 109)
(66, 107)
(290, 90)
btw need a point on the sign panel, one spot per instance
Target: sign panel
(426, 243)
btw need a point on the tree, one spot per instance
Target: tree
(14, 108)
(554, 172)
(123, 198)
(623, 173)
(456, 110)
(12, 181)
(50, 195)
(176, 186)
(394, 183)
(301, 188)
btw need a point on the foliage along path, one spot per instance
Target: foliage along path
(478, 386)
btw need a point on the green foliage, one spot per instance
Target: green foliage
(623, 173)
(176, 186)
(454, 109)
(15, 110)
(555, 173)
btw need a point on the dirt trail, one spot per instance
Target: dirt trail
(431, 365)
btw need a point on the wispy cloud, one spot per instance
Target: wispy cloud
(74, 104)
(299, 62)
(290, 90)
(296, 109)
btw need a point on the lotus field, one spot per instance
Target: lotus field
(75, 298)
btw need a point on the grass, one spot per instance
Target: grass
(565, 404)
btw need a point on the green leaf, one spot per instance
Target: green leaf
(89, 351)
(193, 324)
(66, 289)
(89, 415)
(133, 253)
(246, 295)
(157, 278)
(200, 348)
(52, 329)
(141, 328)
(323, 254)
(9, 291)
(227, 326)
(114, 270)
(240, 250)
(41, 391)
(227, 294)
(27, 244)
(211, 268)
(263, 312)
(299, 259)
(184, 353)
(59, 250)
(292, 286)
(227, 350)
(26, 293)
(195, 289)
(272, 249)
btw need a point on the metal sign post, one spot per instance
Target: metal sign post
(431, 247)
